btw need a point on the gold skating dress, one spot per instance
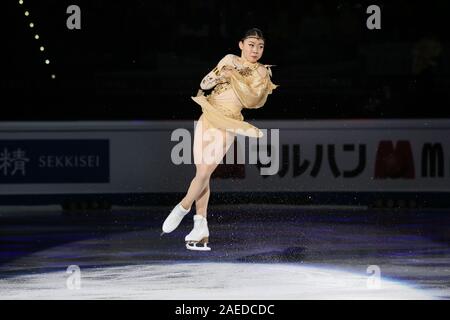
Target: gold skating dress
(247, 87)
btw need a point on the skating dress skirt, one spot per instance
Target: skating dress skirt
(247, 87)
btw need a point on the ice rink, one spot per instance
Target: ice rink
(258, 252)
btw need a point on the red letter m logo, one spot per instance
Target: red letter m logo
(432, 160)
(395, 162)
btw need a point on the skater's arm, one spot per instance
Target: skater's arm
(252, 91)
(218, 75)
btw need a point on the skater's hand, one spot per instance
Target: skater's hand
(226, 71)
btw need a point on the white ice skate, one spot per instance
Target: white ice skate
(174, 218)
(197, 239)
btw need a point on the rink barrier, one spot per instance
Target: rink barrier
(388, 200)
(399, 163)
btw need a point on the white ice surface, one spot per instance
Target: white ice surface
(207, 281)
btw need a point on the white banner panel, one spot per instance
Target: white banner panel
(135, 157)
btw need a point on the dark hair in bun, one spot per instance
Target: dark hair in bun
(253, 33)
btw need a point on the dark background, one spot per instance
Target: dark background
(139, 59)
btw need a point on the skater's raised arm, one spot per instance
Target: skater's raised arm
(252, 90)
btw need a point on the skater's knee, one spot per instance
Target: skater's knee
(203, 173)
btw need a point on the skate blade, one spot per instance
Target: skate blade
(195, 247)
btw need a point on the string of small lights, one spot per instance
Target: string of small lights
(36, 36)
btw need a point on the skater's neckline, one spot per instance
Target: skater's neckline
(245, 62)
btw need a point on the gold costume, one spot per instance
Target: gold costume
(247, 87)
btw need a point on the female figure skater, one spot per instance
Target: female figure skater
(238, 82)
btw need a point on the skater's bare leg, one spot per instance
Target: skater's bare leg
(205, 167)
(201, 204)
(198, 184)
